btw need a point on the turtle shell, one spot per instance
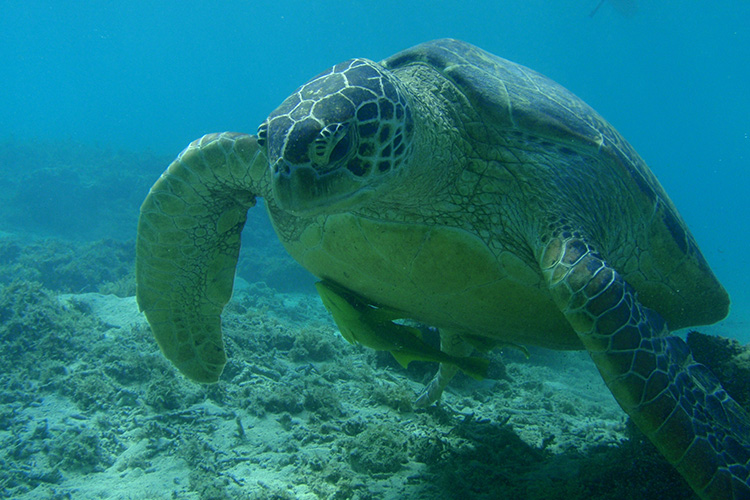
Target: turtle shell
(666, 266)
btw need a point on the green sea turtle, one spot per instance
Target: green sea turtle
(470, 194)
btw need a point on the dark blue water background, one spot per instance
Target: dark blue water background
(673, 78)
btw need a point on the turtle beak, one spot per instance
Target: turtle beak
(303, 191)
(294, 187)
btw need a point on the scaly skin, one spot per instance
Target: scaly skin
(678, 403)
(188, 243)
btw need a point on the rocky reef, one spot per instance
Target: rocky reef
(89, 402)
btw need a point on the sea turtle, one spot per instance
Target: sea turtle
(452, 187)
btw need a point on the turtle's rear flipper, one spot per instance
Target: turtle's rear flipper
(187, 247)
(450, 343)
(678, 403)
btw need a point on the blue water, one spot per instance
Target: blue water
(146, 77)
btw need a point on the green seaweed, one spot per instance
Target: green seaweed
(343, 425)
(105, 266)
(322, 399)
(378, 449)
(314, 345)
(727, 359)
(79, 449)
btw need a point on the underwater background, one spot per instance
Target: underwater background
(96, 99)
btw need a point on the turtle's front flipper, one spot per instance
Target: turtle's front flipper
(187, 247)
(675, 401)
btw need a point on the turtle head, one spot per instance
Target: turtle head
(337, 139)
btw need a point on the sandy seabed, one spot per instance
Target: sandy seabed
(90, 409)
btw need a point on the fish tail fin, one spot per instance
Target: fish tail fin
(404, 358)
(474, 367)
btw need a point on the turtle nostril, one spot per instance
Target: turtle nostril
(281, 168)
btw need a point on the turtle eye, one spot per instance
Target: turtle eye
(263, 134)
(331, 145)
(340, 149)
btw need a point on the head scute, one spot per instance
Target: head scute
(346, 128)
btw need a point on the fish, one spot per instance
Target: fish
(374, 327)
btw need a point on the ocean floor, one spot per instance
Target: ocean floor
(90, 409)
